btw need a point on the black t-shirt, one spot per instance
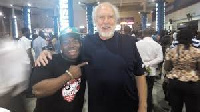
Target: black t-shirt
(56, 103)
(109, 73)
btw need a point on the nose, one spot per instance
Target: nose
(106, 19)
(71, 44)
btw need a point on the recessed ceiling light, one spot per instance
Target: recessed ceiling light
(81, 26)
(1, 13)
(29, 4)
(11, 5)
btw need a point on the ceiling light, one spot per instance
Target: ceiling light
(123, 22)
(1, 13)
(148, 24)
(11, 5)
(81, 26)
(29, 4)
(79, 3)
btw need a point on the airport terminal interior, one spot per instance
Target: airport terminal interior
(50, 18)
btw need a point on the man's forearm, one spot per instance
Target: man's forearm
(158, 59)
(142, 90)
(48, 87)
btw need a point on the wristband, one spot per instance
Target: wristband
(70, 75)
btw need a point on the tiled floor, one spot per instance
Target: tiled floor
(160, 105)
(30, 103)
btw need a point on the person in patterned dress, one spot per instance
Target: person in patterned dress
(183, 66)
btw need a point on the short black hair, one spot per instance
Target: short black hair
(71, 34)
(34, 36)
(166, 40)
(41, 34)
(147, 32)
(185, 36)
(127, 30)
(24, 30)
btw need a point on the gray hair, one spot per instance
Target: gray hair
(105, 3)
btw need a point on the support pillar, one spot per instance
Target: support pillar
(27, 17)
(144, 20)
(55, 19)
(71, 13)
(14, 25)
(90, 26)
(160, 15)
(144, 15)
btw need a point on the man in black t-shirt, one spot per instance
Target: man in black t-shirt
(58, 85)
(112, 60)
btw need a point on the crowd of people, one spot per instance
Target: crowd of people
(118, 70)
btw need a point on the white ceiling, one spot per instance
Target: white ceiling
(127, 5)
(123, 5)
(35, 3)
(53, 3)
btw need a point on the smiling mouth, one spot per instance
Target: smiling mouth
(72, 52)
(106, 28)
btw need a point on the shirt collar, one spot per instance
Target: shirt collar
(147, 38)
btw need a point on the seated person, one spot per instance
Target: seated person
(58, 86)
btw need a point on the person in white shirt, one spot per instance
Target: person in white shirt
(39, 44)
(14, 73)
(25, 43)
(151, 54)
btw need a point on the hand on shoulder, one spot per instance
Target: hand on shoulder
(43, 58)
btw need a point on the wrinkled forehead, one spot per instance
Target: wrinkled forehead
(105, 10)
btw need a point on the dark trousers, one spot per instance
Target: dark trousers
(150, 83)
(14, 104)
(184, 92)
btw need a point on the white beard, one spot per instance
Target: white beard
(106, 35)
